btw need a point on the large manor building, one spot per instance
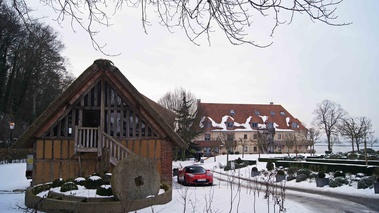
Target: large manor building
(250, 128)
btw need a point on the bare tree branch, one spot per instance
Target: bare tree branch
(197, 18)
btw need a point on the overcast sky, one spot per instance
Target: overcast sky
(307, 62)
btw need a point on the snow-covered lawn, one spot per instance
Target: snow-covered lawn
(222, 197)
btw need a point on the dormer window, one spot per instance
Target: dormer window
(294, 125)
(257, 112)
(254, 125)
(232, 113)
(272, 113)
(270, 125)
(282, 113)
(229, 124)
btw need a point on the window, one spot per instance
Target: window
(257, 112)
(254, 125)
(294, 125)
(255, 136)
(245, 148)
(272, 113)
(207, 137)
(282, 113)
(270, 125)
(279, 136)
(255, 149)
(245, 136)
(208, 124)
(229, 124)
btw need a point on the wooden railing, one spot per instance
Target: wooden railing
(92, 139)
(117, 151)
(86, 139)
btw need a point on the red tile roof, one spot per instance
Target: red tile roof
(242, 112)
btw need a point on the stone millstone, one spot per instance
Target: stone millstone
(135, 177)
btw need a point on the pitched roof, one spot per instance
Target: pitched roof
(163, 117)
(259, 113)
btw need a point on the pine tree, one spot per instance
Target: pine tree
(186, 128)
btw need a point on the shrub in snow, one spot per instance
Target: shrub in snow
(68, 186)
(301, 177)
(93, 182)
(352, 156)
(80, 181)
(338, 181)
(291, 177)
(306, 172)
(104, 190)
(321, 175)
(339, 174)
(313, 175)
(57, 183)
(270, 165)
(366, 182)
(292, 170)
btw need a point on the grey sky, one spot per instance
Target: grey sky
(307, 63)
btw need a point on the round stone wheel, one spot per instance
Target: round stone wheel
(135, 177)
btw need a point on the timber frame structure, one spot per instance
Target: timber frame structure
(100, 119)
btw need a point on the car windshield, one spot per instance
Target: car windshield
(195, 170)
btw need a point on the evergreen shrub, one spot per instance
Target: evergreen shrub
(270, 165)
(57, 183)
(104, 190)
(68, 186)
(306, 172)
(301, 177)
(93, 182)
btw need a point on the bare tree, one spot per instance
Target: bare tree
(228, 140)
(312, 136)
(197, 18)
(290, 141)
(328, 116)
(372, 140)
(349, 129)
(174, 100)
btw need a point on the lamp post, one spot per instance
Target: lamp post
(11, 127)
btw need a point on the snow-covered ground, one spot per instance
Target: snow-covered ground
(222, 197)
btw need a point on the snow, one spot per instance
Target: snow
(217, 198)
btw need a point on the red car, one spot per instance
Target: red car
(195, 175)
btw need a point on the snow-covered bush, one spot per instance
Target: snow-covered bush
(57, 183)
(306, 172)
(93, 182)
(301, 177)
(338, 181)
(291, 177)
(68, 186)
(270, 166)
(292, 170)
(321, 175)
(104, 190)
(339, 174)
(80, 181)
(366, 182)
(313, 175)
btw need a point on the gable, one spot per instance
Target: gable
(101, 96)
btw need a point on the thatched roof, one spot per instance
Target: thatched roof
(163, 117)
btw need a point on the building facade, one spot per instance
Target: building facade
(250, 128)
(100, 119)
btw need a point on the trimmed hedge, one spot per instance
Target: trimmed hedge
(343, 161)
(329, 167)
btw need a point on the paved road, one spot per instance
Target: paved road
(327, 202)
